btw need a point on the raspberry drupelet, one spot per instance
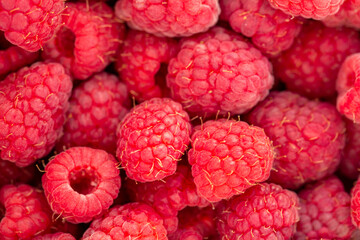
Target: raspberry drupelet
(55, 236)
(81, 183)
(33, 102)
(348, 15)
(355, 204)
(308, 137)
(152, 138)
(218, 72)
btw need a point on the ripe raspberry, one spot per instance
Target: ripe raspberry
(270, 30)
(355, 204)
(33, 103)
(88, 41)
(81, 183)
(130, 221)
(142, 64)
(10, 173)
(152, 138)
(55, 236)
(324, 211)
(218, 72)
(348, 15)
(316, 9)
(26, 212)
(263, 212)
(96, 108)
(308, 137)
(170, 18)
(227, 157)
(312, 63)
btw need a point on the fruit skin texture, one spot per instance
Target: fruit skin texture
(56, 236)
(152, 137)
(96, 108)
(312, 63)
(348, 15)
(10, 173)
(218, 72)
(355, 204)
(308, 137)
(81, 183)
(270, 30)
(228, 157)
(172, 18)
(33, 102)
(324, 211)
(129, 221)
(264, 211)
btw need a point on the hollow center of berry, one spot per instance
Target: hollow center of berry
(84, 181)
(160, 79)
(65, 41)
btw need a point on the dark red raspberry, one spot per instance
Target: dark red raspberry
(80, 183)
(55, 236)
(218, 72)
(33, 103)
(10, 173)
(263, 212)
(152, 138)
(308, 137)
(142, 64)
(96, 108)
(170, 18)
(88, 40)
(271, 30)
(348, 15)
(130, 221)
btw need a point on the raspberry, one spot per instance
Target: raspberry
(312, 63)
(152, 138)
(348, 15)
(218, 72)
(270, 30)
(264, 211)
(142, 64)
(33, 103)
(26, 212)
(130, 221)
(324, 211)
(10, 173)
(170, 18)
(88, 41)
(56, 236)
(80, 183)
(96, 108)
(308, 137)
(227, 157)
(355, 204)
(316, 9)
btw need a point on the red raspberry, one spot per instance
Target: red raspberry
(263, 212)
(324, 211)
(96, 108)
(170, 18)
(10, 173)
(219, 72)
(312, 63)
(55, 236)
(271, 30)
(142, 64)
(33, 103)
(130, 221)
(316, 9)
(355, 204)
(152, 138)
(88, 41)
(26, 212)
(227, 157)
(308, 137)
(81, 183)
(348, 15)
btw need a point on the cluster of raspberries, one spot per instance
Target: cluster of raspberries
(179, 119)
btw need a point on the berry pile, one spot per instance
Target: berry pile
(179, 119)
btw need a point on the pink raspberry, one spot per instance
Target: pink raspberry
(228, 157)
(142, 64)
(316, 9)
(355, 204)
(348, 15)
(263, 212)
(96, 108)
(308, 137)
(55, 236)
(33, 103)
(88, 40)
(152, 137)
(312, 63)
(270, 30)
(130, 221)
(218, 72)
(170, 18)
(80, 183)
(10, 173)
(324, 211)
